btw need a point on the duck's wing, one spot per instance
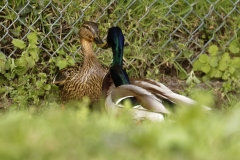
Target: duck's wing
(160, 90)
(66, 73)
(107, 85)
(138, 112)
(146, 99)
(155, 88)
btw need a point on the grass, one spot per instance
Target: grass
(79, 134)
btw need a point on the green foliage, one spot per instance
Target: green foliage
(62, 62)
(153, 37)
(20, 74)
(3, 60)
(234, 48)
(74, 133)
(192, 79)
(18, 43)
(223, 66)
(213, 50)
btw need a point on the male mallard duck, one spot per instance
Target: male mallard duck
(77, 82)
(150, 94)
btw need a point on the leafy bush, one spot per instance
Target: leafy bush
(224, 66)
(24, 85)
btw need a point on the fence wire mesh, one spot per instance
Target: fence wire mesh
(183, 27)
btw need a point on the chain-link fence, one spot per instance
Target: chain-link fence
(185, 27)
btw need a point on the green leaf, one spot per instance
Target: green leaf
(236, 62)
(196, 80)
(3, 60)
(2, 80)
(8, 64)
(156, 71)
(206, 68)
(222, 66)
(227, 86)
(189, 80)
(32, 38)
(213, 50)
(30, 61)
(223, 63)
(61, 63)
(16, 32)
(25, 54)
(181, 46)
(20, 70)
(203, 58)
(2, 57)
(3, 90)
(34, 55)
(215, 73)
(47, 87)
(39, 84)
(233, 47)
(225, 75)
(12, 65)
(52, 60)
(42, 75)
(70, 60)
(10, 75)
(2, 68)
(61, 52)
(213, 61)
(197, 65)
(187, 53)
(182, 74)
(23, 80)
(212, 72)
(218, 74)
(21, 61)
(231, 69)
(226, 56)
(18, 43)
(205, 78)
(73, 48)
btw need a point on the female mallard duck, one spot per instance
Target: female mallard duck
(151, 95)
(77, 82)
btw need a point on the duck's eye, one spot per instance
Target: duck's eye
(87, 27)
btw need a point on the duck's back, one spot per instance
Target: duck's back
(86, 82)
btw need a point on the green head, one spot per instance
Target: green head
(115, 39)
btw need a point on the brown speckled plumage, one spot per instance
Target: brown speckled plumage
(77, 82)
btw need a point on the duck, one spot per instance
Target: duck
(77, 81)
(148, 97)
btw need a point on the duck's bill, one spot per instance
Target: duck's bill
(103, 46)
(98, 40)
(100, 43)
